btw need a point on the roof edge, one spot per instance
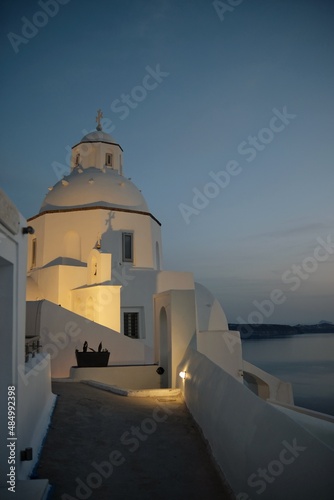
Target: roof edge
(99, 207)
(94, 142)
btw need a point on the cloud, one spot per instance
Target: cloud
(302, 229)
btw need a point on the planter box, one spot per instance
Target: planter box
(85, 359)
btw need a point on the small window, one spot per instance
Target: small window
(131, 324)
(77, 160)
(33, 252)
(127, 244)
(109, 159)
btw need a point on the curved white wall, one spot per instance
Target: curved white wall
(54, 230)
(224, 349)
(248, 436)
(268, 386)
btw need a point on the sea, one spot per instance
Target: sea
(307, 361)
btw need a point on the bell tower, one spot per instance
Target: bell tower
(98, 150)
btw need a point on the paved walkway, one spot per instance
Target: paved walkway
(104, 446)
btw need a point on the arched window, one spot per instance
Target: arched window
(34, 253)
(109, 159)
(127, 247)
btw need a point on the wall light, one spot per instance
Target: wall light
(28, 230)
(183, 374)
(26, 454)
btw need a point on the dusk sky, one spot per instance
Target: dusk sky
(225, 113)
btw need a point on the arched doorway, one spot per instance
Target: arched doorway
(164, 358)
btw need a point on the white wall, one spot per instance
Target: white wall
(174, 280)
(30, 430)
(100, 304)
(33, 291)
(56, 282)
(36, 404)
(138, 287)
(10, 329)
(180, 329)
(247, 435)
(51, 230)
(210, 314)
(94, 154)
(224, 349)
(62, 331)
(125, 377)
(318, 424)
(268, 386)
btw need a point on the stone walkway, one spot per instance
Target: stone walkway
(104, 446)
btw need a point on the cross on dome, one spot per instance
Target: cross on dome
(98, 120)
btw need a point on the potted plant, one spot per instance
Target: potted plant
(92, 358)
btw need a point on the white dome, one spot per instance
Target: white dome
(94, 187)
(98, 136)
(210, 314)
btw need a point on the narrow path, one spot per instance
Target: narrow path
(103, 446)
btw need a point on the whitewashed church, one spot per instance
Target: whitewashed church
(96, 251)
(91, 263)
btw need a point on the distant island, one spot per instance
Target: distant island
(263, 331)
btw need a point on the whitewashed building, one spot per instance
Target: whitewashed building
(97, 252)
(95, 273)
(26, 400)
